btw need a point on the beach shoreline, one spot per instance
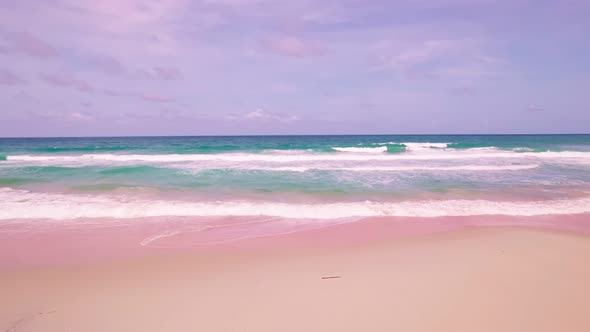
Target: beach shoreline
(46, 243)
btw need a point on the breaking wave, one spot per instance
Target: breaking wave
(295, 157)
(21, 204)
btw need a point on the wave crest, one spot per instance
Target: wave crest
(380, 149)
(298, 157)
(20, 204)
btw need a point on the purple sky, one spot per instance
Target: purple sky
(203, 67)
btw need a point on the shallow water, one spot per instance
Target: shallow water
(307, 177)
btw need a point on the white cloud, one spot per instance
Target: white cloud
(262, 115)
(77, 116)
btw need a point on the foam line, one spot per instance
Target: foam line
(300, 157)
(21, 204)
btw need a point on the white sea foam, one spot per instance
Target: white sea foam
(20, 204)
(379, 149)
(395, 168)
(418, 146)
(286, 158)
(412, 146)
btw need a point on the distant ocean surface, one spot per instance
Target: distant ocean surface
(294, 177)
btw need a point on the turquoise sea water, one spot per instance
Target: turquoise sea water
(224, 144)
(280, 175)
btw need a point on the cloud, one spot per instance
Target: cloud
(78, 116)
(262, 115)
(163, 73)
(62, 116)
(294, 47)
(461, 60)
(26, 43)
(65, 79)
(137, 27)
(168, 73)
(258, 114)
(8, 78)
(145, 96)
(306, 54)
(403, 58)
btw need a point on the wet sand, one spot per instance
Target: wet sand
(370, 276)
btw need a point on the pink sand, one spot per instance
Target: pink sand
(448, 274)
(22, 245)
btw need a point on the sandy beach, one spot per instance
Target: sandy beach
(294, 166)
(472, 278)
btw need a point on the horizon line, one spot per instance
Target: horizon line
(301, 135)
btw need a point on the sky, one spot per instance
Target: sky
(254, 67)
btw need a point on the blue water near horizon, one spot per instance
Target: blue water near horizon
(320, 143)
(333, 169)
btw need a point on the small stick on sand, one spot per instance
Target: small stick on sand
(332, 277)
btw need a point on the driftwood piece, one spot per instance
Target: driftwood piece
(331, 277)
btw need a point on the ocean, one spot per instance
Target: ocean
(310, 179)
